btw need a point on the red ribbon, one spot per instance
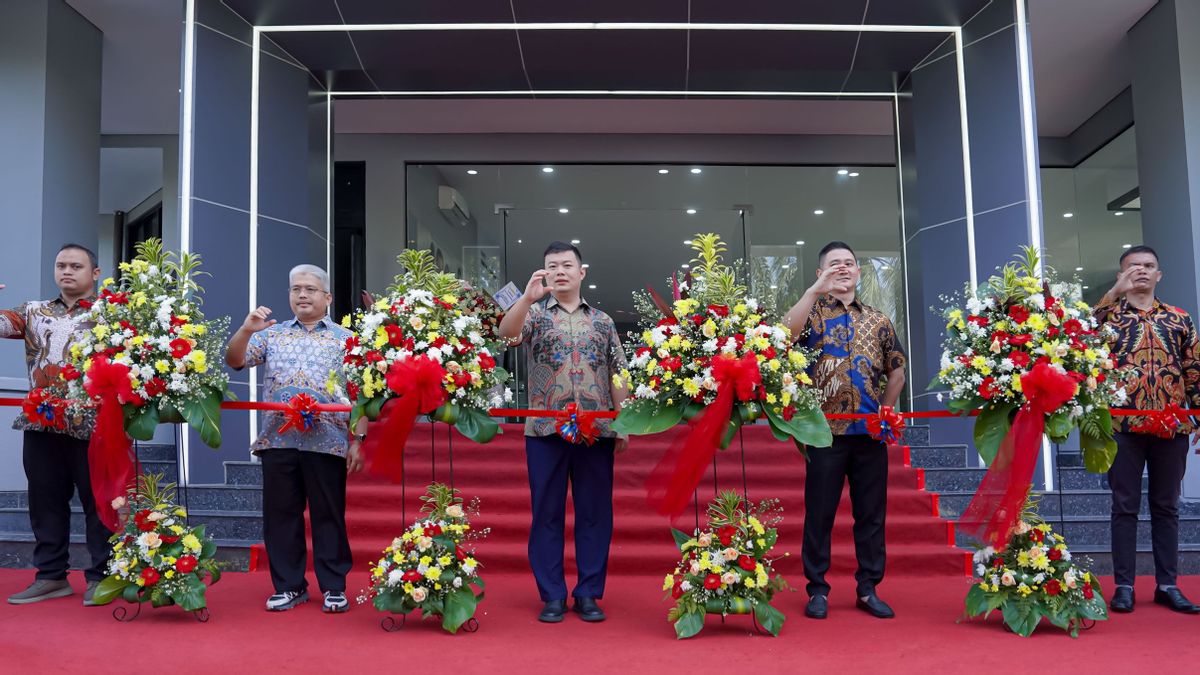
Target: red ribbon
(300, 414)
(672, 482)
(887, 426)
(109, 459)
(579, 426)
(996, 506)
(417, 383)
(1162, 423)
(45, 409)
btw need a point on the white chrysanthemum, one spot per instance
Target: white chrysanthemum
(395, 577)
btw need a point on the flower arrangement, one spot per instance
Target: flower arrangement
(157, 557)
(725, 569)
(425, 341)
(1015, 322)
(151, 349)
(1035, 576)
(431, 567)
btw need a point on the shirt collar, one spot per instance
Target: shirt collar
(325, 323)
(553, 302)
(828, 300)
(1126, 307)
(59, 299)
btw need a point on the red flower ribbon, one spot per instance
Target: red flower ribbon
(887, 426)
(109, 459)
(300, 414)
(672, 482)
(45, 409)
(417, 383)
(1162, 423)
(578, 426)
(996, 506)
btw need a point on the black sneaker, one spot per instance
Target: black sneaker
(281, 602)
(335, 602)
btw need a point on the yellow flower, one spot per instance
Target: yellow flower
(1016, 382)
(756, 526)
(169, 574)
(690, 388)
(199, 361)
(162, 366)
(749, 581)
(449, 299)
(381, 338)
(805, 379)
(797, 358)
(108, 281)
(190, 542)
(433, 573)
(771, 399)
(101, 331)
(709, 330)
(685, 306)
(668, 582)
(444, 560)
(139, 581)
(774, 365)
(1037, 322)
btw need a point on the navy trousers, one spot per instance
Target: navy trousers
(553, 462)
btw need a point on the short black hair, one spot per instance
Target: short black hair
(80, 247)
(563, 247)
(834, 246)
(1136, 249)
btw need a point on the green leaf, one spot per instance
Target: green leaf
(731, 430)
(191, 598)
(806, 426)
(977, 600)
(1058, 427)
(1022, 616)
(964, 406)
(769, 618)
(689, 624)
(131, 593)
(204, 414)
(390, 602)
(476, 425)
(681, 538)
(460, 606)
(373, 406)
(990, 429)
(643, 418)
(1099, 451)
(357, 411)
(110, 589)
(141, 422)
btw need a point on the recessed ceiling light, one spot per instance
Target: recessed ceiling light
(785, 266)
(687, 242)
(1078, 269)
(564, 210)
(696, 170)
(574, 241)
(685, 266)
(819, 212)
(664, 171)
(1119, 213)
(547, 169)
(800, 243)
(1068, 214)
(843, 172)
(691, 212)
(520, 241)
(592, 286)
(854, 174)
(774, 287)
(586, 265)
(1086, 287)
(1127, 246)
(471, 172)
(885, 267)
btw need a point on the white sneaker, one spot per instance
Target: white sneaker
(335, 602)
(286, 600)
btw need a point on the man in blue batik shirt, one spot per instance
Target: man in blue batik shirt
(301, 467)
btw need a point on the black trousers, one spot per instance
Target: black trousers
(864, 462)
(56, 465)
(1165, 460)
(293, 479)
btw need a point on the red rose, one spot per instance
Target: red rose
(459, 554)
(411, 576)
(180, 348)
(1087, 591)
(712, 582)
(1054, 554)
(981, 321)
(486, 362)
(186, 563)
(746, 562)
(987, 388)
(1053, 587)
(150, 576)
(352, 342)
(965, 359)
(1000, 336)
(86, 304)
(725, 534)
(1020, 340)
(1052, 332)
(176, 322)
(156, 387)
(1018, 314)
(125, 325)
(1020, 359)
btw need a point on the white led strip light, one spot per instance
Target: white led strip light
(188, 110)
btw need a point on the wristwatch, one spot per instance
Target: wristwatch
(360, 437)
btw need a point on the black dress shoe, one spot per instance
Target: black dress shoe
(1122, 600)
(817, 607)
(1173, 598)
(553, 611)
(587, 609)
(875, 607)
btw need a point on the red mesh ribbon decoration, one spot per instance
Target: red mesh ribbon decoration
(887, 426)
(109, 459)
(417, 383)
(673, 481)
(300, 414)
(45, 409)
(996, 506)
(578, 426)
(1162, 423)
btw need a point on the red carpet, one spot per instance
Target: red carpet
(62, 636)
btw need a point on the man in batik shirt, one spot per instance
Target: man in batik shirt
(301, 467)
(572, 352)
(56, 459)
(858, 352)
(1157, 344)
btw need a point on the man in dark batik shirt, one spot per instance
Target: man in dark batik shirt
(857, 352)
(1157, 344)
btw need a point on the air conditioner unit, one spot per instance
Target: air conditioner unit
(453, 205)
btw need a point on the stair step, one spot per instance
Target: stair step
(1096, 533)
(940, 479)
(1074, 503)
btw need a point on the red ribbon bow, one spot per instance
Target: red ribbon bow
(1162, 423)
(417, 383)
(578, 426)
(674, 479)
(300, 414)
(996, 506)
(887, 426)
(109, 460)
(45, 409)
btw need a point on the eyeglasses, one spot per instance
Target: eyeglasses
(307, 290)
